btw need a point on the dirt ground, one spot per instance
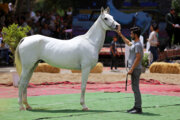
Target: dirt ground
(37, 78)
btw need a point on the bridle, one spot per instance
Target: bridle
(111, 26)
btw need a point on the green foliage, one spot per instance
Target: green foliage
(145, 61)
(50, 5)
(176, 5)
(13, 34)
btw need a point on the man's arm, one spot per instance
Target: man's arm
(136, 62)
(167, 19)
(124, 38)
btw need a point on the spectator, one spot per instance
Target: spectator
(0, 39)
(5, 52)
(23, 22)
(170, 25)
(37, 28)
(2, 18)
(153, 40)
(36, 18)
(177, 31)
(69, 11)
(45, 30)
(10, 6)
(114, 53)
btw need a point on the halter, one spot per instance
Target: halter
(111, 26)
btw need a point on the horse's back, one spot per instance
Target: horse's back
(59, 53)
(64, 53)
(54, 51)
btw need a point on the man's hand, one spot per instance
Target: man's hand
(119, 32)
(119, 28)
(130, 43)
(130, 72)
(173, 25)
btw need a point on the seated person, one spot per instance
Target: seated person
(4, 53)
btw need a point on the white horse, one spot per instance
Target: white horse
(80, 53)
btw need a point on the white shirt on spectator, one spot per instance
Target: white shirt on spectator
(153, 40)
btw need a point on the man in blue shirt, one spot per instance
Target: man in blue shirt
(134, 64)
(114, 53)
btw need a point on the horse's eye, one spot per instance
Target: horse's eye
(105, 18)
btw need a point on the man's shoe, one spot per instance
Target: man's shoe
(135, 111)
(130, 109)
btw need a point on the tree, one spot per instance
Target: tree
(13, 34)
(176, 5)
(164, 6)
(22, 6)
(49, 5)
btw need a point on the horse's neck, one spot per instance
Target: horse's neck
(96, 34)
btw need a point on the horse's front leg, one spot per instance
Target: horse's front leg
(85, 74)
(25, 102)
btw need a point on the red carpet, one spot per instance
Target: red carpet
(142, 81)
(147, 87)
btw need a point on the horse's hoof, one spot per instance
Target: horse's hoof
(85, 109)
(22, 109)
(29, 108)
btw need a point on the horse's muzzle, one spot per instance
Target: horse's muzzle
(118, 27)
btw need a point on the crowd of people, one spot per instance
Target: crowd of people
(52, 24)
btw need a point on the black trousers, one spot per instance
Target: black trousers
(177, 36)
(170, 34)
(113, 61)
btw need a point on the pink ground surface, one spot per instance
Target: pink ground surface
(146, 86)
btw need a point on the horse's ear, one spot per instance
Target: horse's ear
(108, 10)
(102, 10)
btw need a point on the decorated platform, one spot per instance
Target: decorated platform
(167, 54)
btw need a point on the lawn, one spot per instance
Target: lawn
(103, 106)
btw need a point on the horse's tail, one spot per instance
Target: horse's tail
(18, 60)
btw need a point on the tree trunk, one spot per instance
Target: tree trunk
(18, 6)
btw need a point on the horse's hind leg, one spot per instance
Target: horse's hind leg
(28, 107)
(24, 80)
(22, 86)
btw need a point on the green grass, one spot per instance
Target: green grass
(103, 106)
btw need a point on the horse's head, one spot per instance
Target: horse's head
(108, 21)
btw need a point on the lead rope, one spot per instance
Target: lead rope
(126, 76)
